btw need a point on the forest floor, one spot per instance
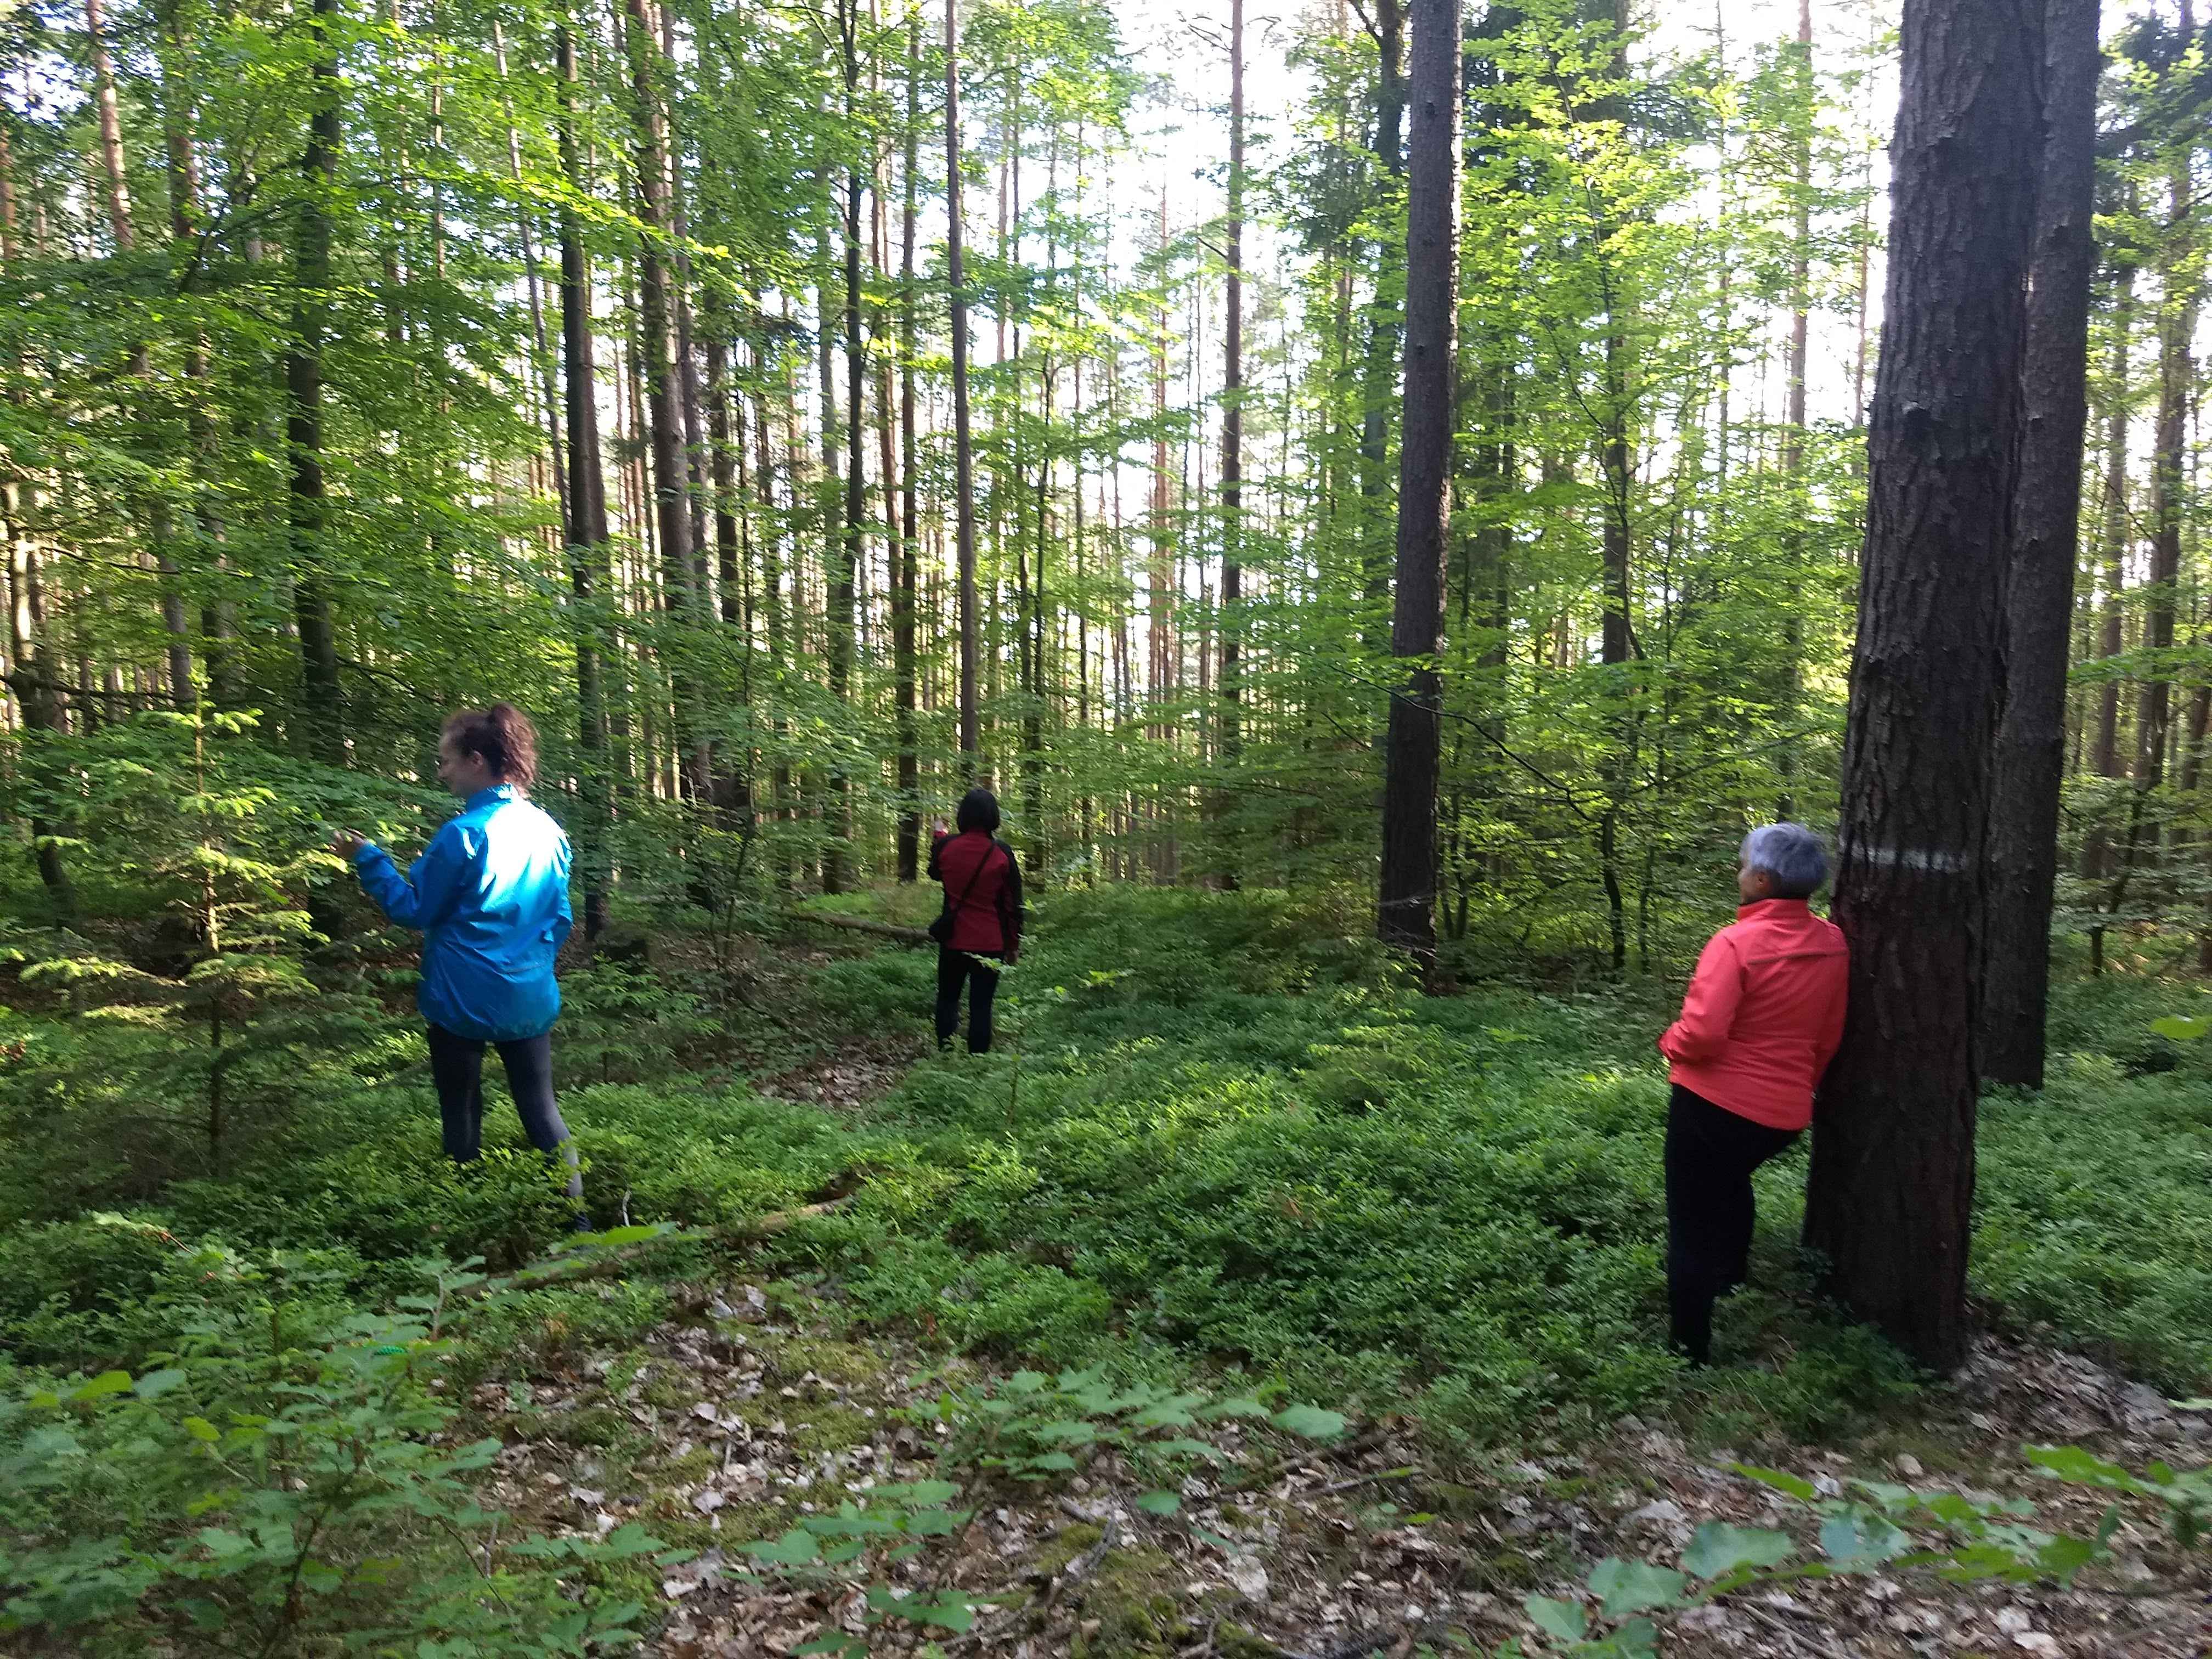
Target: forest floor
(1220, 1156)
(758, 1404)
(1369, 1546)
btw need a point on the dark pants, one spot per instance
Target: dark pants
(956, 968)
(1711, 1153)
(457, 1068)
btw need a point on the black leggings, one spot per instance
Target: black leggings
(956, 968)
(1711, 1153)
(457, 1068)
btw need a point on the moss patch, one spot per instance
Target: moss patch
(791, 1357)
(1131, 1599)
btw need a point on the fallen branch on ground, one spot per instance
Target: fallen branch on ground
(862, 925)
(608, 1261)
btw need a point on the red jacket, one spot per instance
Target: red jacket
(989, 922)
(1764, 1014)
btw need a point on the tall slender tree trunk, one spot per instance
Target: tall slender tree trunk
(1233, 444)
(1163, 654)
(589, 578)
(1380, 376)
(1406, 907)
(902, 594)
(1793, 442)
(846, 556)
(533, 280)
(158, 528)
(322, 704)
(665, 428)
(963, 451)
(2177, 331)
(2028, 763)
(218, 621)
(1892, 1187)
(2105, 755)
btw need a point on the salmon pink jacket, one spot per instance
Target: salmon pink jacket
(1764, 1014)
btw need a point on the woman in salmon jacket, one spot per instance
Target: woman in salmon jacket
(1759, 1024)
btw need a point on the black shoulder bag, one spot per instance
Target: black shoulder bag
(941, 929)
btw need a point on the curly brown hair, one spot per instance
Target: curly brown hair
(504, 735)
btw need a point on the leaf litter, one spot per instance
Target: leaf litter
(755, 1412)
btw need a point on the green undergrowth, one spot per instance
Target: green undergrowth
(1220, 1131)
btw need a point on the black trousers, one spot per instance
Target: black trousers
(956, 969)
(1711, 1153)
(457, 1069)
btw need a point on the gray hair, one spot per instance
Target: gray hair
(1790, 856)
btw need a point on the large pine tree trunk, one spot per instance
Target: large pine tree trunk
(2029, 760)
(322, 706)
(1893, 1176)
(1406, 915)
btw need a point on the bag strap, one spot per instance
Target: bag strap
(977, 875)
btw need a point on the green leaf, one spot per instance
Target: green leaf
(1311, 1422)
(154, 1384)
(1856, 1542)
(1637, 1639)
(1159, 1502)
(1563, 1621)
(2079, 1468)
(2181, 1028)
(1625, 1587)
(796, 1548)
(1975, 1562)
(950, 1610)
(100, 1387)
(1803, 1490)
(1717, 1547)
(2064, 1556)
(1190, 1449)
(1240, 1405)
(1068, 1432)
(921, 1494)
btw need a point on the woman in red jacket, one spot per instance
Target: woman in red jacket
(984, 899)
(1761, 1020)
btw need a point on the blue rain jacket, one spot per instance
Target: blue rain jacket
(491, 893)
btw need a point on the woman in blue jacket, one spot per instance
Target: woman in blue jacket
(490, 894)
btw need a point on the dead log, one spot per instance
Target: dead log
(862, 925)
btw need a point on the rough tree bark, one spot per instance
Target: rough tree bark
(2030, 757)
(1405, 910)
(1893, 1176)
